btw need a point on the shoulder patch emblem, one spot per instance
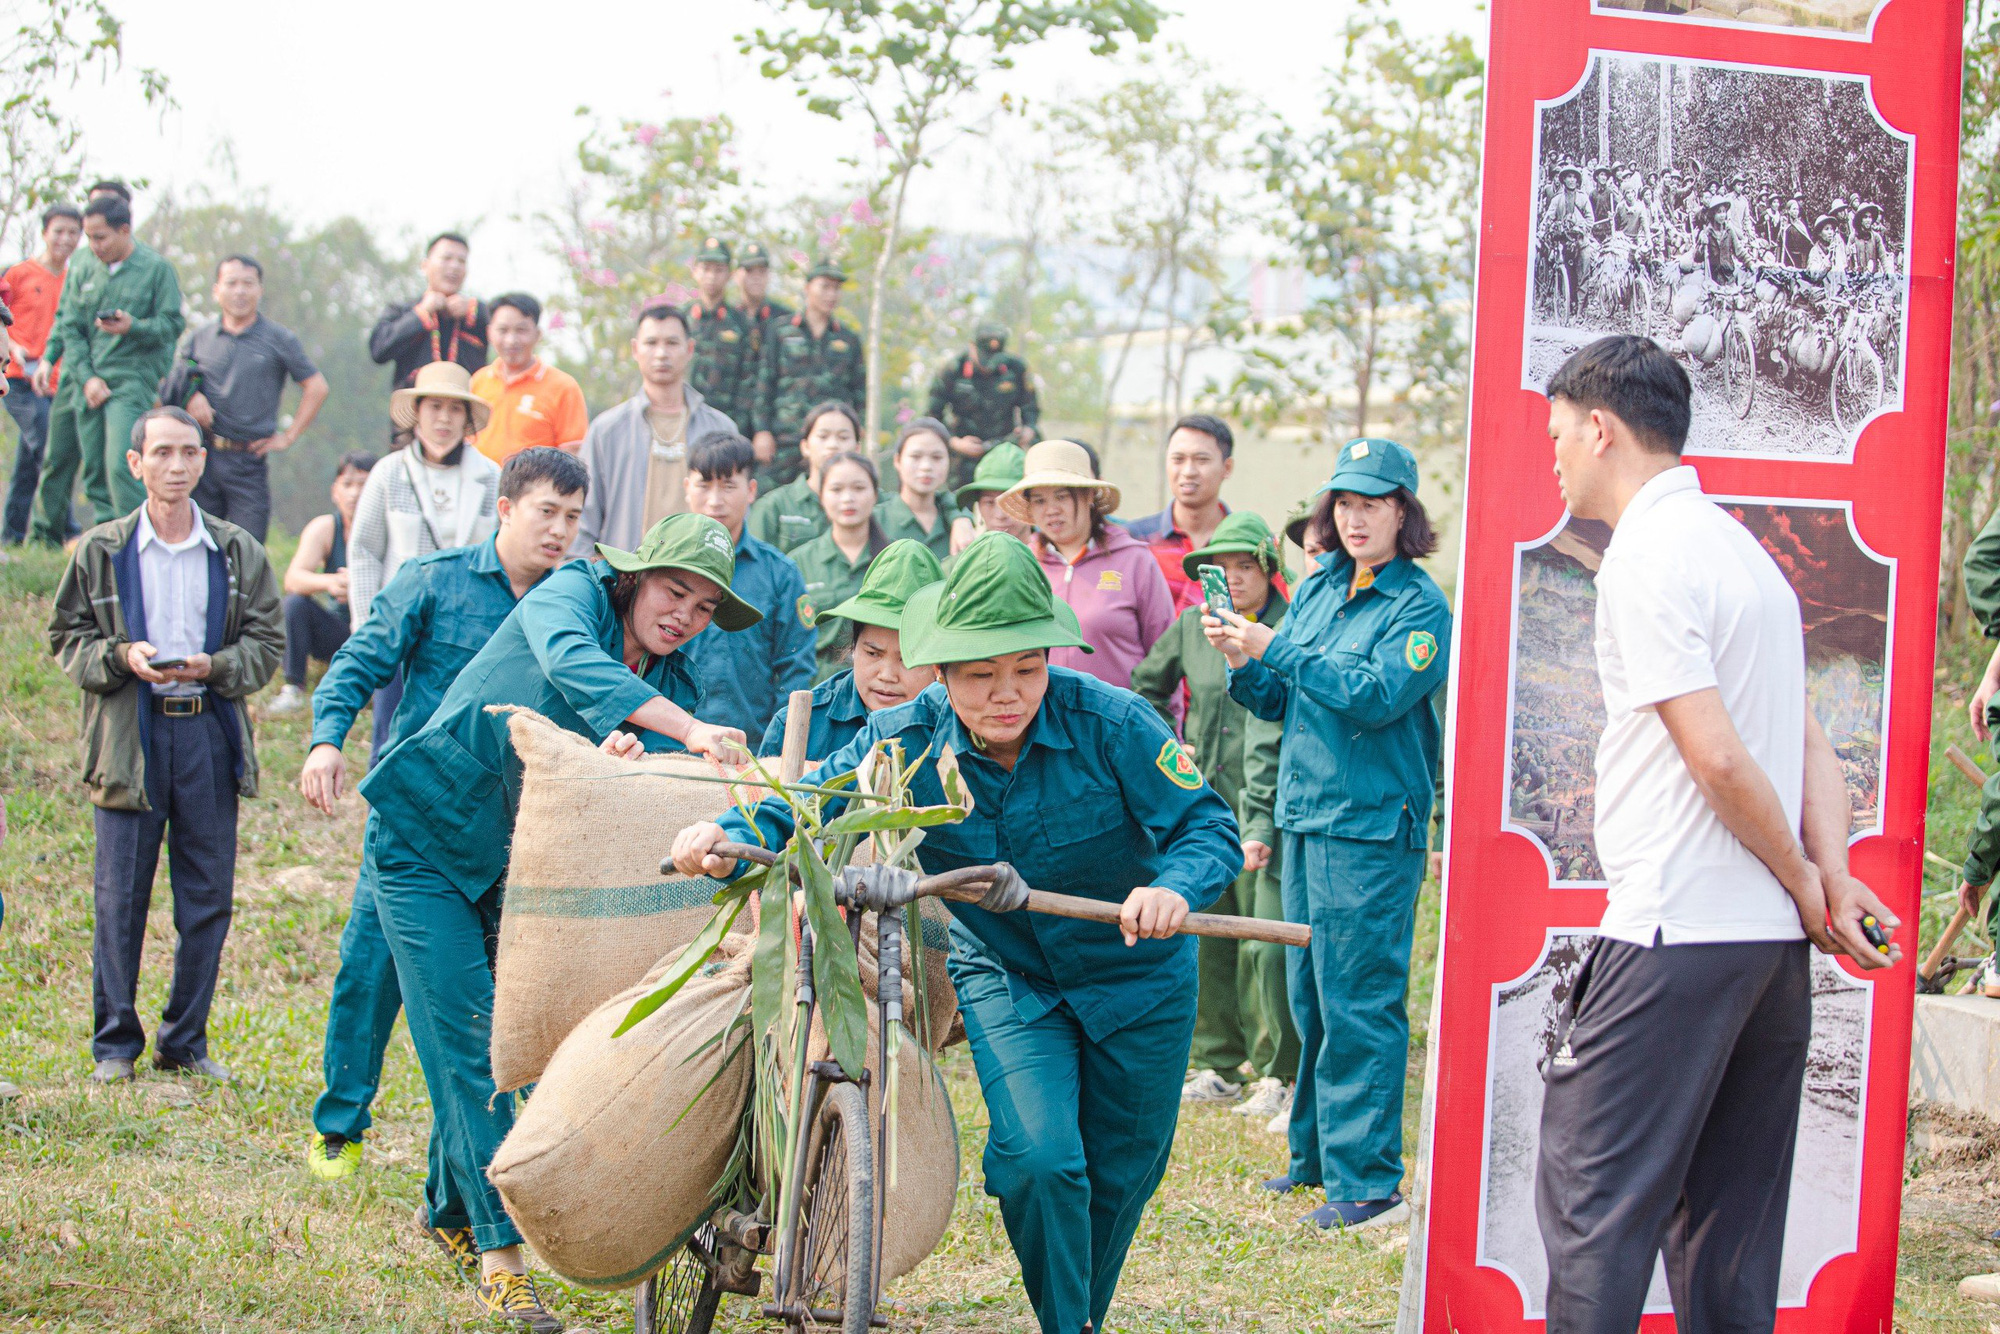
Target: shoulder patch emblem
(806, 613)
(729, 335)
(1420, 650)
(1179, 769)
(1006, 386)
(1111, 581)
(838, 345)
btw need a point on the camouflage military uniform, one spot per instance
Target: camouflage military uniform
(987, 393)
(799, 373)
(1981, 572)
(724, 369)
(755, 255)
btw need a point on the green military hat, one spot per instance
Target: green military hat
(897, 572)
(995, 600)
(754, 255)
(827, 268)
(713, 248)
(990, 338)
(1296, 521)
(1372, 466)
(1241, 533)
(694, 543)
(999, 468)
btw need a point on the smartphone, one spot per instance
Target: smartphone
(1215, 588)
(166, 664)
(106, 316)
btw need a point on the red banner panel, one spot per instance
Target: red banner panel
(1767, 188)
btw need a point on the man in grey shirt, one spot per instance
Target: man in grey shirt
(232, 375)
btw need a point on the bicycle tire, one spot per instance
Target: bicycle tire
(1739, 369)
(833, 1255)
(1856, 389)
(682, 1297)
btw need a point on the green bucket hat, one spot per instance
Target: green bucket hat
(1296, 521)
(1372, 466)
(999, 468)
(995, 600)
(897, 572)
(713, 248)
(1241, 533)
(694, 543)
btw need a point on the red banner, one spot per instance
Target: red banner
(1766, 187)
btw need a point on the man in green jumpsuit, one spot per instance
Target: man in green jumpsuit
(1235, 1012)
(119, 319)
(985, 396)
(809, 358)
(595, 649)
(723, 368)
(1079, 1030)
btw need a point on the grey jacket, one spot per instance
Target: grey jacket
(617, 449)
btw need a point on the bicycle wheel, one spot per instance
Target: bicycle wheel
(1856, 390)
(1739, 369)
(833, 1255)
(682, 1297)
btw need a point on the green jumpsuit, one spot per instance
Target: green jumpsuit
(788, 516)
(831, 578)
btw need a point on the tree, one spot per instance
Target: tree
(56, 45)
(907, 69)
(1376, 202)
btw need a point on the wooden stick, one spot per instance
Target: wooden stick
(798, 727)
(1963, 763)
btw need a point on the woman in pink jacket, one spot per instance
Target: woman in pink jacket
(1108, 577)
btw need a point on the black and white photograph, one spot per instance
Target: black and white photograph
(1753, 222)
(1821, 18)
(1556, 707)
(1823, 1220)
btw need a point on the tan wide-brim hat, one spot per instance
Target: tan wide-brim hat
(1055, 463)
(440, 379)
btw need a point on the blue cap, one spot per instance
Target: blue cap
(1372, 466)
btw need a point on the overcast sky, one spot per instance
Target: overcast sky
(417, 115)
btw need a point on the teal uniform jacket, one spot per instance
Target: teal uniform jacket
(451, 790)
(838, 715)
(1346, 675)
(1101, 801)
(745, 674)
(429, 621)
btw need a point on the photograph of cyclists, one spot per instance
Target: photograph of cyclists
(1556, 711)
(1754, 223)
(1823, 1220)
(1846, 18)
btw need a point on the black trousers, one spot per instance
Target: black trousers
(311, 631)
(191, 783)
(1669, 1121)
(236, 485)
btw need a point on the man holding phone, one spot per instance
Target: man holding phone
(119, 320)
(167, 621)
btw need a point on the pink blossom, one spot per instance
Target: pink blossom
(577, 255)
(678, 294)
(904, 413)
(796, 256)
(604, 226)
(605, 278)
(645, 134)
(699, 162)
(881, 139)
(556, 320)
(862, 213)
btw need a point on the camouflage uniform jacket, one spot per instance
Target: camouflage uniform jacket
(725, 369)
(757, 317)
(800, 372)
(990, 400)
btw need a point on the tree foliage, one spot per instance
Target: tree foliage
(54, 46)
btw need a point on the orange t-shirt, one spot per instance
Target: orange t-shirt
(32, 298)
(540, 406)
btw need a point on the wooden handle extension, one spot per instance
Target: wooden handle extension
(798, 726)
(1964, 764)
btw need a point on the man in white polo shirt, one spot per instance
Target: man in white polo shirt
(1672, 1099)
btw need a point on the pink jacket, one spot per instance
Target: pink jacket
(1120, 596)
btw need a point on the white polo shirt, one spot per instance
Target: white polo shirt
(1687, 599)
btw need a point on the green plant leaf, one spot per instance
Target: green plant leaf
(769, 971)
(877, 819)
(692, 956)
(836, 969)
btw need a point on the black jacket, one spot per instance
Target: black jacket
(400, 337)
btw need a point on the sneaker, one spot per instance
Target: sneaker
(1267, 1098)
(332, 1158)
(1281, 1124)
(9, 1090)
(1207, 1086)
(1359, 1214)
(207, 1067)
(1980, 1288)
(117, 1070)
(455, 1242)
(1989, 975)
(513, 1297)
(290, 699)
(1285, 1185)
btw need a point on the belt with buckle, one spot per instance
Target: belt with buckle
(227, 445)
(179, 706)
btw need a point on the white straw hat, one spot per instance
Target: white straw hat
(1055, 463)
(440, 379)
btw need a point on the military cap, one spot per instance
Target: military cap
(754, 255)
(827, 268)
(714, 249)
(1372, 466)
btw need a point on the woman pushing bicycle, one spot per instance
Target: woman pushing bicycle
(1080, 1038)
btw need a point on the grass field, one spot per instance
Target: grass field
(171, 1205)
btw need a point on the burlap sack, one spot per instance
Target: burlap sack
(587, 911)
(608, 1168)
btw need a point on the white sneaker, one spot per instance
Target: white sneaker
(1208, 1086)
(1267, 1097)
(1281, 1124)
(290, 699)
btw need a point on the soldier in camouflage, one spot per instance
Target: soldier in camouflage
(985, 396)
(759, 307)
(809, 358)
(724, 369)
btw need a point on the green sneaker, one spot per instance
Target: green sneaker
(331, 1158)
(455, 1242)
(512, 1297)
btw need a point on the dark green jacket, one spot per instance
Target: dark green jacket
(991, 400)
(800, 372)
(831, 579)
(899, 521)
(100, 608)
(1215, 723)
(1981, 572)
(787, 517)
(724, 369)
(147, 288)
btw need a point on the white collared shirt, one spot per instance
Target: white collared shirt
(173, 584)
(1687, 599)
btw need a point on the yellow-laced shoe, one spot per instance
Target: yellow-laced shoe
(455, 1242)
(331, 1158)
(513, 1297)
